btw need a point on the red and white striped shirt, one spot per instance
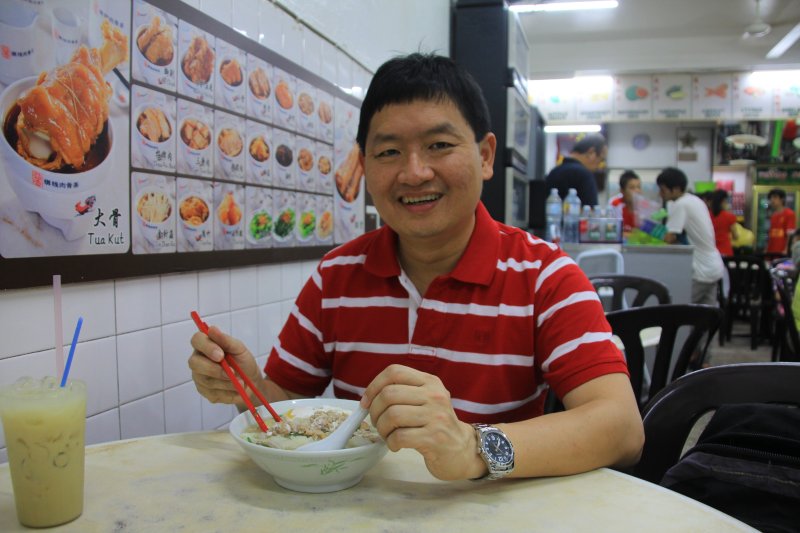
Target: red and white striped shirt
(514, 315)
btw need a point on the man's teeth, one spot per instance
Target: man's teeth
(420, 199)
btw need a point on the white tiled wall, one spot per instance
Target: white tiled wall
(134, 342)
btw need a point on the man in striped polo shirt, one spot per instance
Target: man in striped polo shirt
(443, 317)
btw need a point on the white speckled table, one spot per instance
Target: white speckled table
(202, 482)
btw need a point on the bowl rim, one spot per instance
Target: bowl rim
(279, 453)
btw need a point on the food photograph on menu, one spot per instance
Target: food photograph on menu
(143, 127)
(64, 100)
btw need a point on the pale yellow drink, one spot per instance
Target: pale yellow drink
(44, 426)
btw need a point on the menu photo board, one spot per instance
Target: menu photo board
(191, 143)
(633, 97)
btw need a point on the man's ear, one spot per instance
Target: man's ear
(488, 148)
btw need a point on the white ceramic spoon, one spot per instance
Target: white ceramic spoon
(338, 439)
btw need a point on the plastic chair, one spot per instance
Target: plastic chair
(601, 261)
(623, 284)
(748, 298)
(627, 324)
(672, 413)
(786, 341)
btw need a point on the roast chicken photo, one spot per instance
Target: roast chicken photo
(61, 117)
(155, 43)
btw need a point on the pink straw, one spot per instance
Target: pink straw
(59, 324)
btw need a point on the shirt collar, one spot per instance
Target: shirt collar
(477, 264)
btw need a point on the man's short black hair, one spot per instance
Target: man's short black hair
(780, 193)
(426, 77)
(589, 141)
(671, 178)
(626, 177)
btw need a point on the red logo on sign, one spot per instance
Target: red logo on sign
(37, 179)
(6, 51)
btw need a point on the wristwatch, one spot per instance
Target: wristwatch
(496, 451)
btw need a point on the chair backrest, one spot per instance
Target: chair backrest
(628, 323)
(746, 274)
(642, 289)
(672, 413)
(601, 261)
(783, 283)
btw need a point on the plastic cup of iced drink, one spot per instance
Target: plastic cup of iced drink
(44, 426)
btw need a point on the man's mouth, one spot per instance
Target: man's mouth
(417, 200)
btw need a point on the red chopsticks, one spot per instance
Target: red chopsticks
(227, 362)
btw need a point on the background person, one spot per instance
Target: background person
(624, 203)
(782, 222)
(724, 221)
(687, 212)
(576, 170)
(444, 317)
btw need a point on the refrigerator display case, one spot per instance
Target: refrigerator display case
(489, 42)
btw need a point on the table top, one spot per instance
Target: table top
(205, 482)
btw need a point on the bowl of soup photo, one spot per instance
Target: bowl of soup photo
(195, 136)
(229, 147)
(155, 49)
(153, 133)
(305, 421)
(63, 194)
(153, 210)
(193, 212)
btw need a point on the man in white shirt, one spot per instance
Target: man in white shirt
(687, 212)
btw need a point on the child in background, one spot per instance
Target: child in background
(623, 204)
(724, 221)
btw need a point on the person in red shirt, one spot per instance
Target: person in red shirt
(629, 186)
(444, 318)
(781, 223)
(723, 220)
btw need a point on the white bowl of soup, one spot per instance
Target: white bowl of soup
(301, 471)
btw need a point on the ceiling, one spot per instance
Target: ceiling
(643, 36)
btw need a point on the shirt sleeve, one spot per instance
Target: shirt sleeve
(298, 361)
(676, 217)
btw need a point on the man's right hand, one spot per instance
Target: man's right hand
(210, 379)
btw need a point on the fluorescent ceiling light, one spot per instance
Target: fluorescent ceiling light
(575, 128)
(785, 43)
(565, 6)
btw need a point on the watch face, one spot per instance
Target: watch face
(498, 448)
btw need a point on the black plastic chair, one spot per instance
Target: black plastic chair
(749, 297)
(672, 413)
(624, 285)
(786, 341)
(702, 322)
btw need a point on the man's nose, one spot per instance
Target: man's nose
(416, 170)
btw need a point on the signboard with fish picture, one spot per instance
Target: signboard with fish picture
(672, 96)
(711, 96)
(752, 97)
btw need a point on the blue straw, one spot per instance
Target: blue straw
(71, 351)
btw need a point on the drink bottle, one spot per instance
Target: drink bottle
(552, 210)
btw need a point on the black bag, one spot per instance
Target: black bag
(746, 463)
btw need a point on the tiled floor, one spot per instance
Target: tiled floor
(738, 350)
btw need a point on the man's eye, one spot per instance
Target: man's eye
(441, 145)
(386, 153)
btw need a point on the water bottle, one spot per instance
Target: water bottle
(572, 213)
(583, 224)
(552, 212)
